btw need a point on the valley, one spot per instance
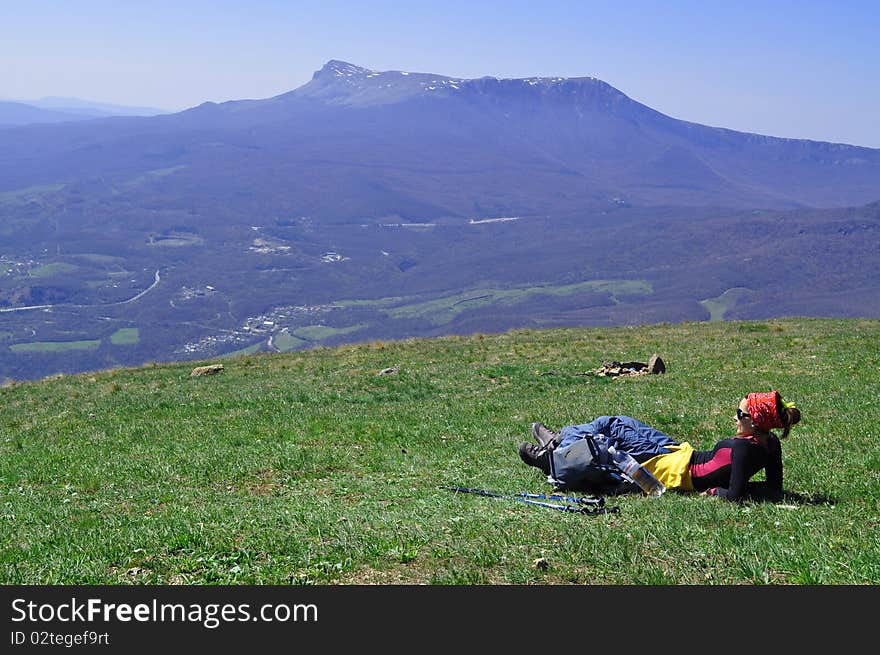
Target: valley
(349, 283)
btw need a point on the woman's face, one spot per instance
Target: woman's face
(743, 420)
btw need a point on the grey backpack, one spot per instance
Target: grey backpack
(585, 465)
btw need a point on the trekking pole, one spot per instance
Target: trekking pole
(526, 498)
(599, 502)
(571, 499)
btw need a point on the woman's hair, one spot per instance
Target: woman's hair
(790, 416)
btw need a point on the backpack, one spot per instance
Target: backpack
(585, 465)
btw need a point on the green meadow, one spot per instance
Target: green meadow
(444, 309)
(326, 466)
(719, 305)
(125, 337)
(55, 346)
(52, 270)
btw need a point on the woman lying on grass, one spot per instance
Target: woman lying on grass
(724, 471)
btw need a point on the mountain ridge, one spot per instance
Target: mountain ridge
(13, 113)
(335, 71)
(351, 116)
(57, 109)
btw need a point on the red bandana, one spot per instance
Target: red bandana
(764, 410)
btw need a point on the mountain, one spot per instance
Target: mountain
(423, 146)
(61, 110)
(18, 113)
(93, 108)
(381, 205)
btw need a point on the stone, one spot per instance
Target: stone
(212, 369)
(656, 364)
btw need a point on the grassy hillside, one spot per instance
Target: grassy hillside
(313, 467)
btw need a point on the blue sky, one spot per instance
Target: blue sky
(807, 69)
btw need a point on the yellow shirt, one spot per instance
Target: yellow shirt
(673, 469)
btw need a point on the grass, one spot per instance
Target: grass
(107, 260)
(285, 341)
(125, 337)
(53, 270)
(311, 467)
(719, 305)
(249, 350)
(319, 332)
(442, 310)
(55, 346)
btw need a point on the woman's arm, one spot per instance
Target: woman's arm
(774, 468)
(739, 473)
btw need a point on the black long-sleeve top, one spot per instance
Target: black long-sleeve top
(725, 470)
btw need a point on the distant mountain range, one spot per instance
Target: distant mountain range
(370, 204)
(423, 146)
(54, 109)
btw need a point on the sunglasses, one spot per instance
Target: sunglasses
(740, 415)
